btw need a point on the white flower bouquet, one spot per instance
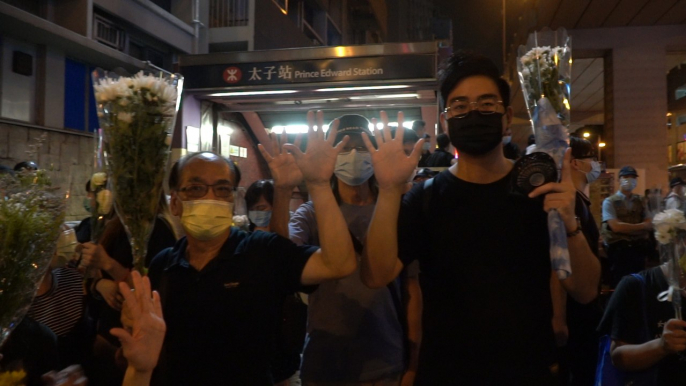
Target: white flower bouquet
(137, 116)
(544, 67)
(31, 215)
(670, 228)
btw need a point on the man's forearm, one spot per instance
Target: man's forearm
(338, 253)
(582, 284)
(380, 258)
(635, 357)
(132, 377)
(280, 215)
(631, 229)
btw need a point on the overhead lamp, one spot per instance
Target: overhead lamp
(249, 93)
(295, 129)
(587, 134)
(602, 144)
(362, 88)
(390, 96)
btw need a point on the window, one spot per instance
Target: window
(80, 112)
(680, 92)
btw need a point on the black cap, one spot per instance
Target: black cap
(676, 182)
(627, 171)
(352, 124)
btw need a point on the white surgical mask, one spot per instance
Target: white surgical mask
(627, 184)
(594, 173)
(426, 146)
(507, 139)
(354, 168)
(260, 218)
(206, 219)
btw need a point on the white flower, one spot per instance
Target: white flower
(104, 200)
(662, 228)
(98, 179)
(663, 238)
(240, 221)
(125, 117)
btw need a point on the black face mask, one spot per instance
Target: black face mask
(476, 133)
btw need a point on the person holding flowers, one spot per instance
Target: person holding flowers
(484, 256)
(221, 288)
(648, 341)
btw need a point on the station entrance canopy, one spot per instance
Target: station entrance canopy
(279, 85)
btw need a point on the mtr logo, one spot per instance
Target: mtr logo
(232, 75)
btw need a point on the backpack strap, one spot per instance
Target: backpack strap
(426, 198)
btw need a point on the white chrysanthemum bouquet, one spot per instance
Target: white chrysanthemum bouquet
(137, 116)
(670, 228)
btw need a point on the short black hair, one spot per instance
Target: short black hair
(442, 140)
(259, 188)
(418, 124)
(25, 165)
(582, 148)
(177, 168)
(409, 136)
(463, 65)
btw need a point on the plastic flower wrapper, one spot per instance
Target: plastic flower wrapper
(137, 115)
(670, 229)
(31, 216)
(544, 67)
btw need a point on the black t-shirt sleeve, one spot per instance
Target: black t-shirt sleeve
(289, 260)
(624, 315)
(411, 226)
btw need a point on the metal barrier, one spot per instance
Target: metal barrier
(229, 13)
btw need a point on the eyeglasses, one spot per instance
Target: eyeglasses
(360, 149)
(221, 190)
(459, 108)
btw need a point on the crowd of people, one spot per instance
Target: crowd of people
(385, 276)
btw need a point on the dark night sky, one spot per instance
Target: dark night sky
(477, 25)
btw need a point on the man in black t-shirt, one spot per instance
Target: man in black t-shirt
(485, 272)
(624, 321)
(221, 288)
(441, 157)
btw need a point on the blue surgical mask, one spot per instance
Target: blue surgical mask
(260, 218)
(354, 168)
(627, 184)
(594, 173)
(507, 139)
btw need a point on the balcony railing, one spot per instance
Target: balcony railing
(228, 13)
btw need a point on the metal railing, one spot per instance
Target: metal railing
(229, 13)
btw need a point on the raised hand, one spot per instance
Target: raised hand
(282, 163)
(673, 336)
(561, 195)
(318, 161)
(392, 167)
(142, 346)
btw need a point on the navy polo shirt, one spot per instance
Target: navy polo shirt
(221, 320)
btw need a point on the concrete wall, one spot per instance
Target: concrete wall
(71, 156)
(282, 31)
(639, 93)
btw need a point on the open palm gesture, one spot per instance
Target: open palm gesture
(281, 163)
(318, 161)
(142, 345)
(392, 167)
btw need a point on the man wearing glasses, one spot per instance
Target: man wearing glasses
(485, 270)
(222, 288)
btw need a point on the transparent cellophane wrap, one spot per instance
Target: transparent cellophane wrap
(31, 217)
(137, 115)
(544, 68)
